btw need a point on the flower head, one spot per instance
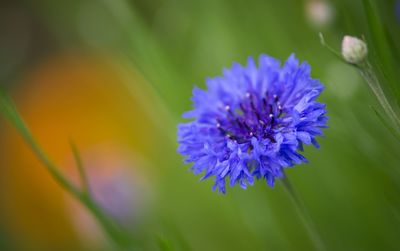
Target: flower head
(252, 122)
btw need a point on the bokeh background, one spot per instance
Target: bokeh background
(114, 76)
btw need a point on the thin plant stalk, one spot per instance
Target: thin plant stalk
(304, 215)
(370, 77)
(81, 169)
(9, 111)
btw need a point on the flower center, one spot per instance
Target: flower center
(255, 116)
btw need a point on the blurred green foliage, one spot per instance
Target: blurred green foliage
(351, 186)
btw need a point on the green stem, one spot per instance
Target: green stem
(304, 216)
(333, 51)
(10, 112)
(81, 170)
(111, 229)
(370, 77)
(387, 124)
(8, 109)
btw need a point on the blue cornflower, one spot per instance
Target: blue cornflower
(252, 122)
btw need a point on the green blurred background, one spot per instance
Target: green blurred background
(115, 76)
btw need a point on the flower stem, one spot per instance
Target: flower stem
(81, 169)
(370, 77)
(109, 226)
(304, 216)
(9, 111)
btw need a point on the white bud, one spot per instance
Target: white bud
(354, 50)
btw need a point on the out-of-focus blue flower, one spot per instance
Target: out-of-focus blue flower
(397, 11)
(252, 122)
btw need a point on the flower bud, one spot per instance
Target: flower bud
(354, 50)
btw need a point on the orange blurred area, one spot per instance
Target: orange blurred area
(65, 97)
